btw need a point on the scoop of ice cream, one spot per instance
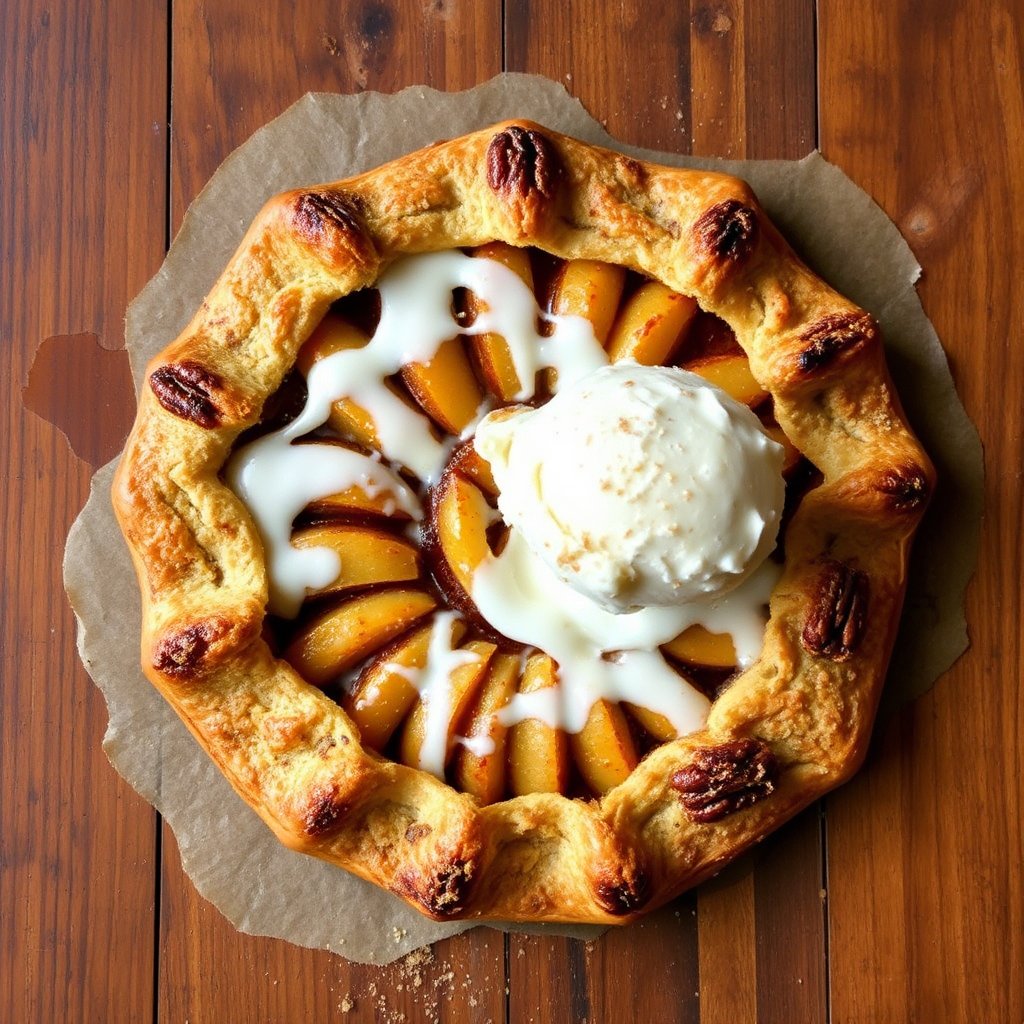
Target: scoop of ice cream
(639, 485)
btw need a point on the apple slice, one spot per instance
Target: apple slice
(422, 726)
(698, 646)
(383, 693)
(368, 555)
(603, 749)
(355, 501)
(480, 765)
(461, 518)
(469, 462)
(335, 334)
(656, 724)
(731, 372)
(538, 755)
(446, 387)
(492, 353)
(590, 289)
(651, 325)
(338, 639)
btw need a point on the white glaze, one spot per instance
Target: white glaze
(416, 318)
(521, 597)
(433, 683)
(276, 480)
(516, 591)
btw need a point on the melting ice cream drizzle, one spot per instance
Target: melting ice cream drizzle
(514, 591)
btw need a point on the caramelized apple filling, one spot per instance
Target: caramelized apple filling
(390, 561)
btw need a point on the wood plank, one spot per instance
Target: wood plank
(867, 908)
(726, 931)
(629, 74)
(613, 977)
(921, 104)
(547, 979)
(236, 66)
(717, 78)
(730, 79)
(780, 81)
(77, 883)
(664, 988)
(752, 77)
(789, 915)
(761, 931)
(258, 980)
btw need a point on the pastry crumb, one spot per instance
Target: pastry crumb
(330, 44)
(417, 958)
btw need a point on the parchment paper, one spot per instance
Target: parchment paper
(232, 858)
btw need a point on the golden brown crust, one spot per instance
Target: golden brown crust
(792, 726)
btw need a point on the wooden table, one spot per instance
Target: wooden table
(901, 897)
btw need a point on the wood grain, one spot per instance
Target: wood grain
(77, 884)
(631, 77)
(734, 78)
(730, 80)
(220, 50)
(761, 931)
(238, 65)
(902, 898)
(212, 972)
(929, 923)
(556, 978)
(726, 921)
(790, 917)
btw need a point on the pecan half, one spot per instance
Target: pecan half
(329, 221)
(833, 335)
(623, 895)
(440, 892)
(906, 488)
(835, 620)
(723, 779)
(186, 389)
(521, 161)
(179, 654)
(319, 212)
(727, 231)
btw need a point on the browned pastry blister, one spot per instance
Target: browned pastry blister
(793, 725)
